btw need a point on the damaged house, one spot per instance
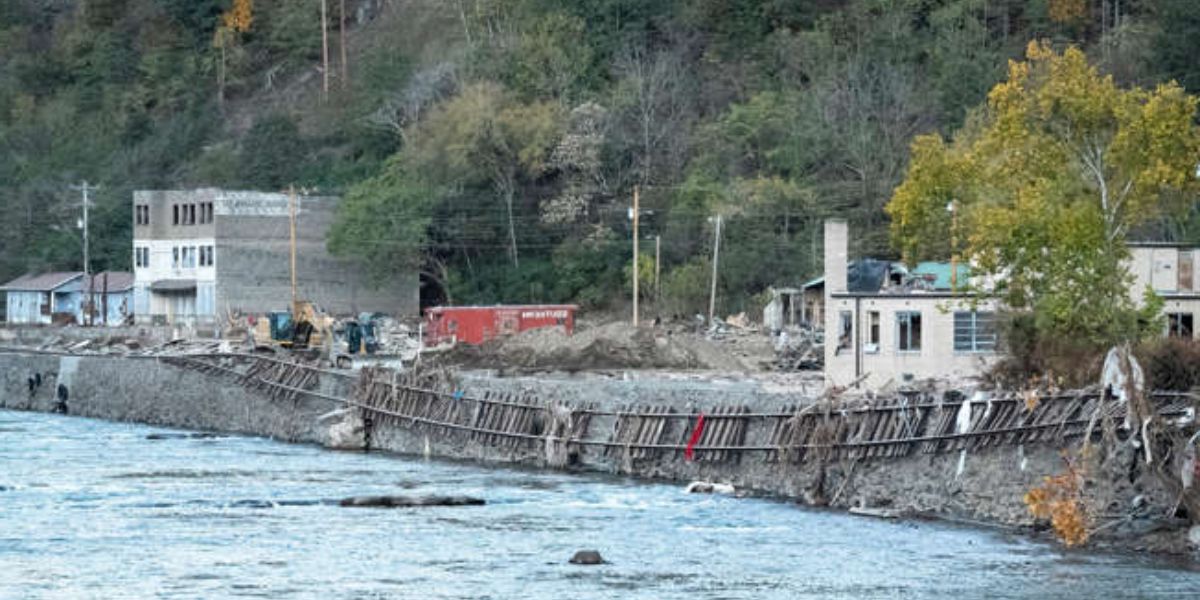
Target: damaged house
(885, 323)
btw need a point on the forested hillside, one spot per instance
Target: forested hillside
(496, 144)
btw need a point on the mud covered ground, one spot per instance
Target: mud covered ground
(612, 346)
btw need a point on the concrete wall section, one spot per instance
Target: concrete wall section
(162, 205)
(150, 391)
(254, 266)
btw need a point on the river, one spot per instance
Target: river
(91, 509)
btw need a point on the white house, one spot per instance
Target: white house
(884, 323)
(887, 324)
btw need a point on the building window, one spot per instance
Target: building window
(974, 331)
(206, 256)
(872, 332)
(141, 257)
(908, 331)
(206, 212)
(191, 214)
(141, 214)
(188, 254)
(1179, 325)
(175, 257)
(175, 213)
(845, 330)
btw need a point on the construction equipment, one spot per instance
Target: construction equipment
(305, 326)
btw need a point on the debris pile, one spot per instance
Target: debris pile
(798, 348)
(611, 346)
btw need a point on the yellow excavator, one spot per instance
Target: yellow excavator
(304, 327)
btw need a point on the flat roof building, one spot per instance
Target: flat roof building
(203, 255)
(885, 323)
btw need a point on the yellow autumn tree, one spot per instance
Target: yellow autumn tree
(239, 17)
(1047, 182)
(236, 20)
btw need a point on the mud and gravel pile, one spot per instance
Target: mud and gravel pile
(610, 346)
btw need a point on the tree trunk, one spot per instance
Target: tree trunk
(345, 83)
(221, 79)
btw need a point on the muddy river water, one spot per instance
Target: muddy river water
(90, 509)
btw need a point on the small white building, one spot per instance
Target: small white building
(1169, 270)
(888, 325)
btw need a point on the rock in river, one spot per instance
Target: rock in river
(403, 501)
(587, 557)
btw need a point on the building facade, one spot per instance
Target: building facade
(1169, 271)
(893, 326)
(50, 298)
(201, 256)
(36, 299)
(899, 325)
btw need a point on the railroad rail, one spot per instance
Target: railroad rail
(820, 428)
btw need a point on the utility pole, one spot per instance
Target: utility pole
(635, 256)
(87, 271)
(952, 207)
(324, 51)
(712, 295)
(292, 229)
(657, 266)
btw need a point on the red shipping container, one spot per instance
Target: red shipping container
(478, 324)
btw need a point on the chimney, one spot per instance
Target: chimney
(836, 255)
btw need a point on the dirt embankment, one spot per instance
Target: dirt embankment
(609, 346)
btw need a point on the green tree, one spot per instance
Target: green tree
(1178, 42)
(485, 135)
(1048, 182)
(384, 222)
(272, 154)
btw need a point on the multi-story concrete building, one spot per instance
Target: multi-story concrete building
(882, 328)
(203, 255)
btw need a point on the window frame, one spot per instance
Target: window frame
(874, 332)
(975, 341)
(904, 335)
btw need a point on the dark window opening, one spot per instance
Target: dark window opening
(872, 331)
(845, 330)
(908, 331)
(1179, 325)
